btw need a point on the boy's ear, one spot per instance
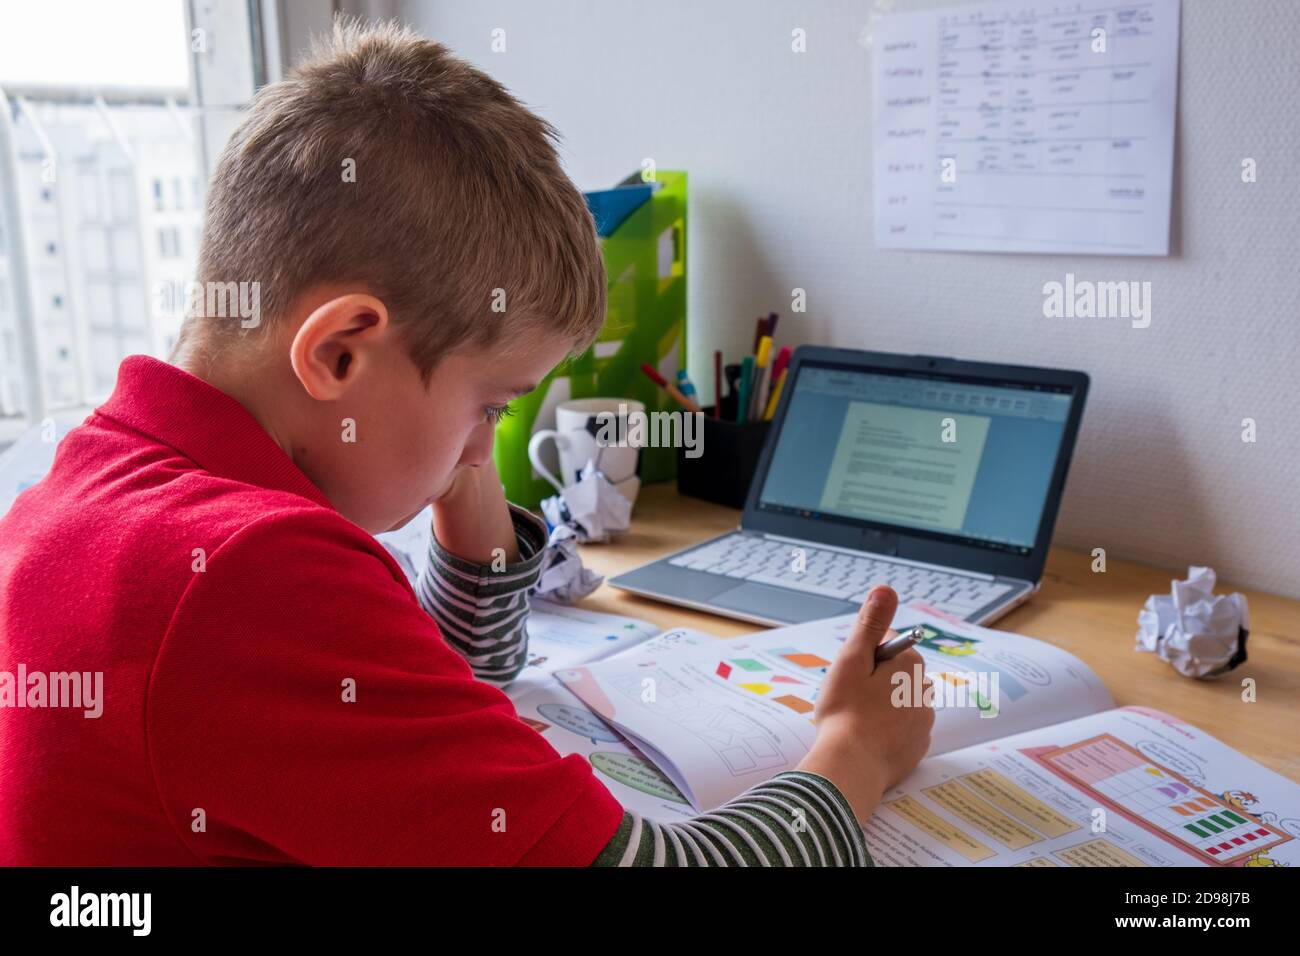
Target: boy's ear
(335, 341)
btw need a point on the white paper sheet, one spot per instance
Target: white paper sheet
(1017, 127)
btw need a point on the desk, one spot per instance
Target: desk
(1093, 616)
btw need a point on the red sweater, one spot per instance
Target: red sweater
(226, 736)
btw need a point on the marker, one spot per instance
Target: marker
(775, 397)
(779, 363)
(760, 376)
(670, 388)
(746, 383)
(895, 646)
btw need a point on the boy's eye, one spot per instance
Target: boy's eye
(497, 412)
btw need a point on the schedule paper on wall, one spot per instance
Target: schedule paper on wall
(1026, 127)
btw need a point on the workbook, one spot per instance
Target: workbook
(1030, 762)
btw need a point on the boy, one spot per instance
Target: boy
(274, 692)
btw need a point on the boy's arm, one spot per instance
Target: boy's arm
(794, 819)
(484, 555)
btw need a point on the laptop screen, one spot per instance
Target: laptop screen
(945, 456)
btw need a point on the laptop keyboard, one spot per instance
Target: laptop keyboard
(837, 574)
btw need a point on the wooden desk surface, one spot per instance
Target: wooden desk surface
(1093, 616)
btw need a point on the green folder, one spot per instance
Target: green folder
(645, 322)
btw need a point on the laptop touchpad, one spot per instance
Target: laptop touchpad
(780, 604)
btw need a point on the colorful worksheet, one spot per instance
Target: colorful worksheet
(1126, 787)
(727, 716)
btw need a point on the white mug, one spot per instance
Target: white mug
(576, 445)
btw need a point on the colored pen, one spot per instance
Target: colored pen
(895, 646)
(670, 388)
(775, 397)
(761, 360)
(746, 383)
(686, 385)
(778, 366)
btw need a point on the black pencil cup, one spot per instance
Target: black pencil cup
(728, 457)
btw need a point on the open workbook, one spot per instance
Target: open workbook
(1030, 763)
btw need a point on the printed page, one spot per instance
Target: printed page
(1026, 127)
(563, 636)
(721, 718)
(1128, 787)
(572, 728)
(991, 683)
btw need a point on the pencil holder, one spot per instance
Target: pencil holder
(728, 459)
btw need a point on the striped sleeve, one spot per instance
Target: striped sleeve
(794, 819)
(482, 612)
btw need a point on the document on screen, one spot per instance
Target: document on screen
(911, 466)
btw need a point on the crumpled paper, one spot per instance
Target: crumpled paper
(564, 579)
(1201, 634)
(592, 506)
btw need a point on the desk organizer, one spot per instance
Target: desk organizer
(729, 458)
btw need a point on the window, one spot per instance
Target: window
(168, 243)
(115, 97)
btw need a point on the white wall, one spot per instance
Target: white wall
(778, 147)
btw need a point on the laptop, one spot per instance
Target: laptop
(939, 477)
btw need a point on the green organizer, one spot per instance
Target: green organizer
(645, 262)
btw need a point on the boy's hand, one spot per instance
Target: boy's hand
(865, 744)
(472, 519)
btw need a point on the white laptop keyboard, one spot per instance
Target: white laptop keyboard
(837, 574)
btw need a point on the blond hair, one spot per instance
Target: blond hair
(460, 218)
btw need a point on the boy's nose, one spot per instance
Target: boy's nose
(478, 450)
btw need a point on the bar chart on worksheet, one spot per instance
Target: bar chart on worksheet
(1041, 127)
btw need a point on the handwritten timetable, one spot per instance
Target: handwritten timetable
(1026, 127)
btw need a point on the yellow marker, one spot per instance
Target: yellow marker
(761, 359)
(776, 396)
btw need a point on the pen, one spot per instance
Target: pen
(670, 388)
(895, 646)
(775, 397)
(778, 366)
(760, 374)
(685, 384)
(746, 383)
